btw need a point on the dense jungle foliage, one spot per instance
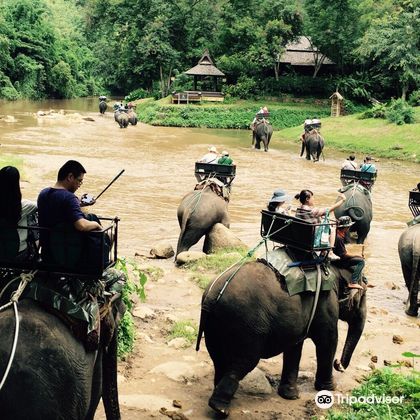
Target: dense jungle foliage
(66, 48)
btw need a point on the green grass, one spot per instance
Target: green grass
(153, 273)
(377, 137)
(202, 280)
(17, 162)
(184, 329)
(388, 383)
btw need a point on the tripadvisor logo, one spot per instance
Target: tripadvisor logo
(325, 399)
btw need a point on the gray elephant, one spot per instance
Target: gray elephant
(359, 207)
(121, 118)
(52, 375)
(102, 107)
(198, 212)
(132, 117)
(262, 133)
(313, 142)
(409, 251)
(256, 318)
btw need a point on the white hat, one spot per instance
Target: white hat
(225, 153)
(212, 149)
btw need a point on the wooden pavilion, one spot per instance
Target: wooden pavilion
(204, 70)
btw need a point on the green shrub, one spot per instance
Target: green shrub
(414, 99)
(245, 88)
(137, 94)
(377, 111)
(399, 112)
(179, 330)
(136, 281)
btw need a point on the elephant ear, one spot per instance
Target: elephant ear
(356, 213)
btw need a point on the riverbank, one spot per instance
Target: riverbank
(377, 137)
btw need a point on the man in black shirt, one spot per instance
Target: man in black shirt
(354, 262)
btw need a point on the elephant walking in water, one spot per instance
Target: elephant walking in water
(52, 375)
(313, 142)
(132, 117)
(198, 212)
(121, 118)
(102, 107)
(359, 207)
(409, 251)
(262, 133)
(256, 318)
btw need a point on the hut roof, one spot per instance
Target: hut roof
(301, 53)
(336, 95)
(205, 67)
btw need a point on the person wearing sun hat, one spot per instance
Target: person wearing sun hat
(277, 202)
(225, 159)
(210, 157)
(355, 263)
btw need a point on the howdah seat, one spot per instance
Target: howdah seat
(225, 173)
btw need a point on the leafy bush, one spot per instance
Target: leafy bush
(414, 99)
(399, 112)
(377, 111)
(245, 88)
(137, 94)
(353, 108)
(136, 281)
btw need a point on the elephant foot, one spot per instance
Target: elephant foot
(288, 392)
(338, 366)
(412, 312)
(222, 409)
(326, 385)
(223, 394)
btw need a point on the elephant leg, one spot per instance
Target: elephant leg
(362, 229)
(302, 150)
(291, 359)
(257, 143)
(412, 306)
(308, 152)
(325, 339)
(189, 238)
(96, 391)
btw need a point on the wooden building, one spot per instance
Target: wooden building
(337, 104)
(203, 72)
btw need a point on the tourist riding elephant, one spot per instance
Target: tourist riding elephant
(254, 317)
(52, 376)
(102, 107)
(262, 133)
(198, 212)
(121, 118)
(313, 143)
(132, 117)
(359, 207)
(409, 251)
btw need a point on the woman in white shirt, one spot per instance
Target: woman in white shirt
(15, 211)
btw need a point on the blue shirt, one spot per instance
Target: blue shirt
(56, 206)
(368, 167)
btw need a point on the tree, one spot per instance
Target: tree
(392, 44)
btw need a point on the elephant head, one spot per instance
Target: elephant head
(263, 132)
(409, 252)
(314, 144)
(358, 206)
(198, 212)
(237, 337)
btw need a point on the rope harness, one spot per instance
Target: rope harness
(25, 279)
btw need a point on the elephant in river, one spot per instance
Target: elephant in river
(198, 212)
(409, 251)
(256, 318)
(359, 207)
(314, 144)
(121, 118)
(262, 133)
(52, 376)
(102, 107)
(132, 117)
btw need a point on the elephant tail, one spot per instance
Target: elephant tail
(203, 317)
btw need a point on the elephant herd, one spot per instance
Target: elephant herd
(123, 116)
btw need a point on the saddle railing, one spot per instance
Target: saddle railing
(225, 173)
(366, 179)
(414, 203)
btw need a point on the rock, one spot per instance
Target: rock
(306, 375)
(256, 383)
(372, 366)
(177, 371)
(176, 404)
(187, 256)
(387, 363)
(397, 339)
(405, 363)
(179, 343)
(9, 119)
(145, 402)
(171, 318)
(364, 368)
(145, 337)
(374, 359)
(189, 329)
(392, 286)
(143, 312)
(162, 249)
(220, 237)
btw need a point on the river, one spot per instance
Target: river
(159, 170)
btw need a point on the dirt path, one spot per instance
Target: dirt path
(156, 374)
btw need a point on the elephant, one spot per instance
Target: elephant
(254, 318)
(262, 133)
(409, 252)
(132, 117)
(52, 376)
(121, 118)
(359, 207)
(102, 107)
(198, 212)
(314, 144)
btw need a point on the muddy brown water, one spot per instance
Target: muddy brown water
(159, 170)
